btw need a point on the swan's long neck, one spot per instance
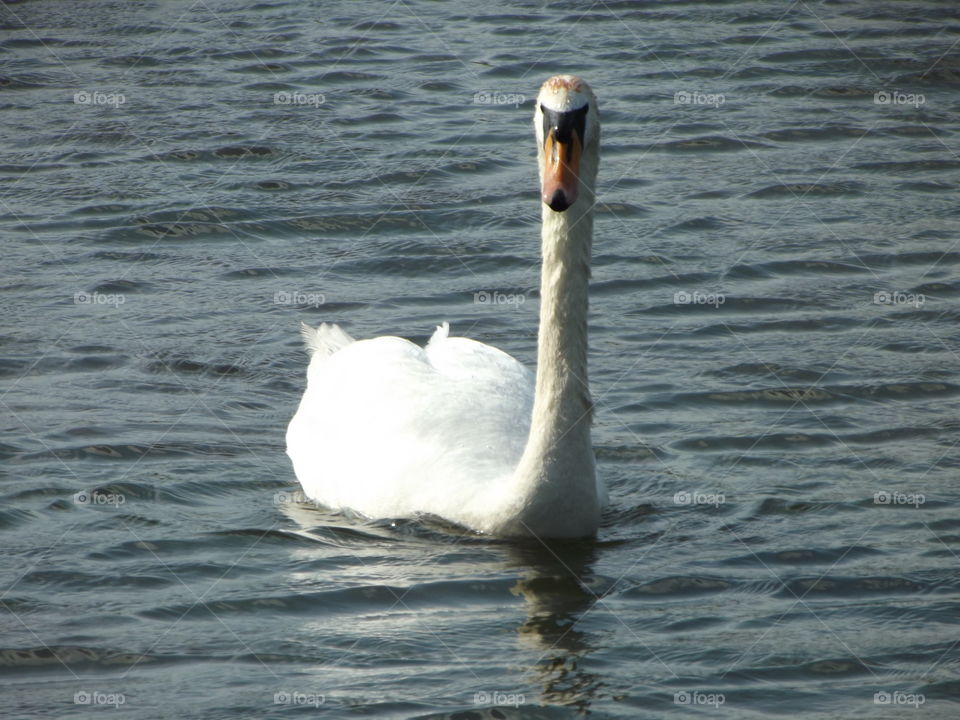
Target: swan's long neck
(556, 478)
(563, 394)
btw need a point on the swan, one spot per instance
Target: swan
(459, 429)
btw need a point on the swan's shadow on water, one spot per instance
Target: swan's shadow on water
(555, 579)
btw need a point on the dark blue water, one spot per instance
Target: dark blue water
(774, 356)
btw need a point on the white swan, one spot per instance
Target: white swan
(460, 429)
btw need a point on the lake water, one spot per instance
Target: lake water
(774, 356)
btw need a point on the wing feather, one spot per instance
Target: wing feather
(386, 426)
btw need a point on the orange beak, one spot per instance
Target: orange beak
(561, 171)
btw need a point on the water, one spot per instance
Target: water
(773, 356)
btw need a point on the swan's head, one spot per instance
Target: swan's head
(568, 137)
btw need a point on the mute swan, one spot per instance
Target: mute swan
(460, 429)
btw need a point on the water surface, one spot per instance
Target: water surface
(774, 334)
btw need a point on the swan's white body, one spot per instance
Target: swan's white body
(460, 429)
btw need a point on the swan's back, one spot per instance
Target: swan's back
(390, 429)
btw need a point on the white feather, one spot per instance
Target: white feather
(391, 429)
(324, 340)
